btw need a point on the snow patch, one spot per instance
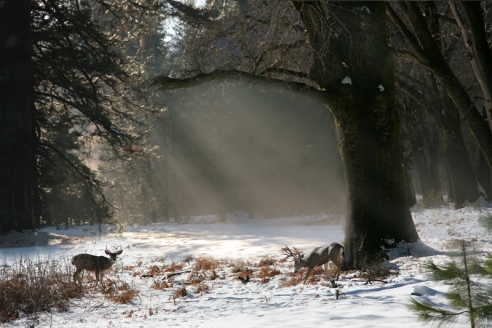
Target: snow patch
(347, 80)
(423, 290)
(363, 8)
(381, 88)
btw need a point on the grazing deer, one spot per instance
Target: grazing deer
(318, 256)
(97, 264)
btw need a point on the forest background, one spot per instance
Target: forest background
(148, 111)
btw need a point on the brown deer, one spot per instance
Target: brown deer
(97, 264)
(318, 256)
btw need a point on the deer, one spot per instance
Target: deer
(97, 264)
(318, 256)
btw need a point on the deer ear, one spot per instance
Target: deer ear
(107, 251)
(119, 252)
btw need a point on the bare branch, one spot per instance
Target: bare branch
(167, 83)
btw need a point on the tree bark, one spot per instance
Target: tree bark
(18, 172)
(367, 121)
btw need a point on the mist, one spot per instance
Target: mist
(244, 149)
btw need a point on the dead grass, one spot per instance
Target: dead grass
(202, 287)
(160, 285)
(118, 291)
(206, 263)
(173, 267)
(155, 270)
(293, 281)
(196, 277)
(32, 286)
(267, 261)
(239, 266)
(180, 292)
(268, 272)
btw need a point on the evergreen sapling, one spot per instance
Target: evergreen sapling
(466, 296)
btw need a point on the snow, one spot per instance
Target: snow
(231, 303)
(322, 249)
(363, 8)
(381, 88)
(347, 80)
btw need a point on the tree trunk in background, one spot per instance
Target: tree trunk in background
(18, 173)
(464, 183)
(481, 52)
(421, 139)
(366, 118)
(428, 50)
(483, 174)
(465, 187)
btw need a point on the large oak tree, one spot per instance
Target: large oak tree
(349, 68)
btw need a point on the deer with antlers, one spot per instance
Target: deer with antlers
(96, 264)
(318, 256)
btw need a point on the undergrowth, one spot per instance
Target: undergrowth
(432, 199)
(32, 286)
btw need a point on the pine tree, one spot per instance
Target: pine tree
(466, 296)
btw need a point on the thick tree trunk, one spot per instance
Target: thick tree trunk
(18, 138)
(356, 63)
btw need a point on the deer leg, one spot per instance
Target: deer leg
(326, 270)
(76, 275)
(97, 277)
(339, 267)
(307, 275)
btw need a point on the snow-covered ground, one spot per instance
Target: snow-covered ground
(242, 243)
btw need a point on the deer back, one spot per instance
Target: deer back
(318, 256)
(95, 263)
(91, 262)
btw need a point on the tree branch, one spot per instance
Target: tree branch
(167, 83)
(411, 39)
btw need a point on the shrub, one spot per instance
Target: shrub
(32, 286)
(375, 269)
